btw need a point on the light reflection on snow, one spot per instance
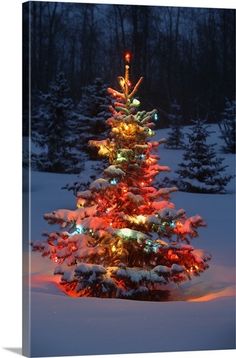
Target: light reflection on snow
(216, 283)
(226, 292)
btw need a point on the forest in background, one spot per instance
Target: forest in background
(184, 54)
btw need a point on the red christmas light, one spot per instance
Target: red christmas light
(127, 57)
(55, 259)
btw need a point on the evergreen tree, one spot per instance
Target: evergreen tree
(53, 126)
(125, 239)
(227, 126)
(175, 136)
(201, 170)
(93, 112)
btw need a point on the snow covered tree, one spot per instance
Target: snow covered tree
(227, 126)
(175, 136)
(53, 127)
(93, 111)
(201, 170)
(125, 239)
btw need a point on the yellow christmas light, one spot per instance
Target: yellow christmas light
(138, 219)
(81, 202)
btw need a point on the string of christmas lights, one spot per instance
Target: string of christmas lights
(125, 239)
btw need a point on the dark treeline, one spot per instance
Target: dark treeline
(184, 54)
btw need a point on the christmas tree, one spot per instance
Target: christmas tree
(53, 130)
(227, 126)
(201, 170)
(175, 136)
(125, 239)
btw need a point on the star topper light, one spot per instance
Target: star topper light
(127, 92)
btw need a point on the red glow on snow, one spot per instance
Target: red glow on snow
(70, 290)
(44, 280)
(48, 281)
(226, 292)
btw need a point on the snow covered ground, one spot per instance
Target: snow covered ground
(200, 316)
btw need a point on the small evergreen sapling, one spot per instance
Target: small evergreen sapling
(175, 136)
(227, 126)
(201, 170)
(53, 127)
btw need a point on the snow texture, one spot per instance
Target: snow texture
(113, 171)
(99, 184)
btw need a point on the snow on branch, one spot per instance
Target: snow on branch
(99, 185)
(64, 217)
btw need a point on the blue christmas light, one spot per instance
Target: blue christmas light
(155, 116)
(172, 224)
(79, 229)
(141, 156)
(156, 247)
(151, 246)
(113, 181)
(148, 242)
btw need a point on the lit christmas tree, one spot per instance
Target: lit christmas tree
(125, 239)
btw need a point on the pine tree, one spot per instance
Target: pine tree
(175, 136)
(125, 239)
(53, 126)
(227, 126)
(93, 112)
(201, 170)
